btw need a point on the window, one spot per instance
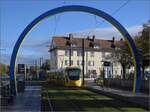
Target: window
(79, 62)
(71, 62)
(91, 63)
(73, 45)
(96, 46)
(115, 72)
(66, 62)
(92, 54)
(103, 54)
(117, 48)
(67, 52)
(71, 53)
(92, 71)
(115, 64)
(79, 52)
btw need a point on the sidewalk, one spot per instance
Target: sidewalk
(140, 99)
(29, 100)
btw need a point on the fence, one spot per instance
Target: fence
(5, 94)
(126, 84)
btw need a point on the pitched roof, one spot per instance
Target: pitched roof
(62, 42)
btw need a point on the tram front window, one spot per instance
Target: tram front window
(74, 74)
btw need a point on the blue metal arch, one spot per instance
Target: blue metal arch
(87, 9)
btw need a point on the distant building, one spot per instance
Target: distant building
(98, 55)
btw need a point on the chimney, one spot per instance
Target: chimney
(113, 42)
(88, 37)
(93, 37)
(113, 39)
(121, 39)
(70, 36)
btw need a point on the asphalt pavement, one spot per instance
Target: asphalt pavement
(27, 101)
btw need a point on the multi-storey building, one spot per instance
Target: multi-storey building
(65, 51)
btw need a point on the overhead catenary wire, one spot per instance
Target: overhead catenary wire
(96, 26)
(118, 9)
(57, 19)
(103, 21)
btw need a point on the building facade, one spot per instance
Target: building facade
(66, 51)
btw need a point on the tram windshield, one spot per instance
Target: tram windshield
(74, 74)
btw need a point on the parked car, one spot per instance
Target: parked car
(147, 75)
(42, 75)
(99, 81)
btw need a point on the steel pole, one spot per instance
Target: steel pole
(83, 59)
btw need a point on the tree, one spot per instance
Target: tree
(125, 61)
(143, 39)
(121, 53)
(124, 56)
(46, 65)
(143, 42)
(3, 69)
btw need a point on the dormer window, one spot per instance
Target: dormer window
(117, 48)
(91, 44)
(73, 45)
(68, 43)
(113, 45)
(96, 46)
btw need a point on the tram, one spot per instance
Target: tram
(69, 76)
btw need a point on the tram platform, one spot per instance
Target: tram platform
(29, 100)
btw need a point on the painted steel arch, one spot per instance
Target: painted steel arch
(110, 19)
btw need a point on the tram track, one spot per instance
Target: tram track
(49, 102)
(75, 106)
(95, 98)
(89, 94)
(52, 101)
(61, 98)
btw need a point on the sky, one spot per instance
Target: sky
(15, 15)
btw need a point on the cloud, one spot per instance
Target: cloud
(23, 58)
(36, 43)
(107, 33)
